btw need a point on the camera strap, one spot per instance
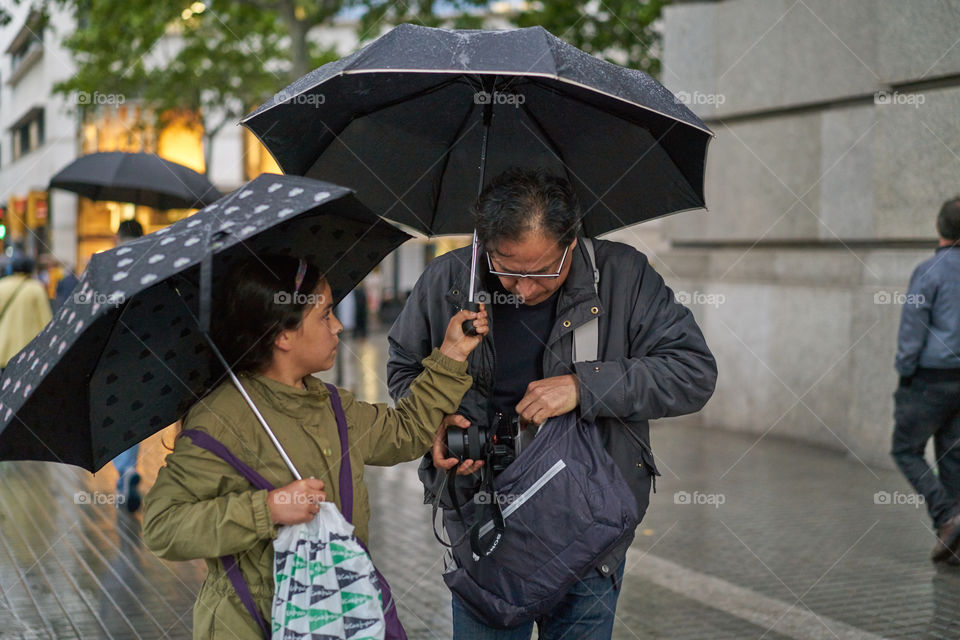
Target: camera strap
(489, 502)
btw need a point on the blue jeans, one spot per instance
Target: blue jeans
(930, 409)
(124, 461)
(587, 611)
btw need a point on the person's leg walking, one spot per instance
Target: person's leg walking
(127, 477)
(588, 610)
(947, 447)
(916, 421)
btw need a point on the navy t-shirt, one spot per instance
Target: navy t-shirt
(520, 334)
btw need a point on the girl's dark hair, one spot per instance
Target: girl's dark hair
(519, 201)
(259, 300)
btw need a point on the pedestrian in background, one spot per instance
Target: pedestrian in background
(24, 308)
(128, 479)
(927, 401)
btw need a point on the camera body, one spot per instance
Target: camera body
(498, 444)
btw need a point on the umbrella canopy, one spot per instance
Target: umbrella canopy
(405, 120)
(125, 356)
(140, 178)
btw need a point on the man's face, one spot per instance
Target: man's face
(532, 253)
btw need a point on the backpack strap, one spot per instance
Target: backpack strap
(231, 568)
(586, 337)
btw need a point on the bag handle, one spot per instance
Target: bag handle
(394, 629)
(231, 568)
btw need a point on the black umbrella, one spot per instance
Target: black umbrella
(140, 178)
(406, 122)
(125, 355)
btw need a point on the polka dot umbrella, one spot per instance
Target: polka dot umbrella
(125, 356)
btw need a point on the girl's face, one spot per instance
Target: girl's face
(314, 343)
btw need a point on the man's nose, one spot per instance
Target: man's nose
(526, 287)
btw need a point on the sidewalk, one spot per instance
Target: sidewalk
(744, 539)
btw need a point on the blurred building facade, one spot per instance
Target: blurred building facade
(837, 140)
(41, 132)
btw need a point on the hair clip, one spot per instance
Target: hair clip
(301, 272)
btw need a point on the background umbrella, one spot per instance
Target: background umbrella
(141, 178)
(125, 356)
(431, 97)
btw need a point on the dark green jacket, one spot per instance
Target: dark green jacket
(201, 508)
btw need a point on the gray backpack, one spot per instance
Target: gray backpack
(565, 506)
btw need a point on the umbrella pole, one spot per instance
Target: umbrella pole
(468, 327)
(243, 392)
(256, 411)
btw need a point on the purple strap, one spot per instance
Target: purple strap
(346, 473)
(394, 630)
(206, 441)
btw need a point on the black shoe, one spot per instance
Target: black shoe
(948, 541)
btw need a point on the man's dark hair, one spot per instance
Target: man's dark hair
(129, 230)
(256, 304)
(520, 201)
(948, 222)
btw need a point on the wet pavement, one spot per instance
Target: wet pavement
(744, 539)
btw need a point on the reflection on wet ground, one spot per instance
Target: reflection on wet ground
(787, 541)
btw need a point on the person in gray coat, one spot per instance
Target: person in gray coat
(927, 401)
(538, 286)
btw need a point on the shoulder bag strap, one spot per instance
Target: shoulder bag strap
(231, 568)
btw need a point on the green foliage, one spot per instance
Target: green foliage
(617, 30)
(220, 60)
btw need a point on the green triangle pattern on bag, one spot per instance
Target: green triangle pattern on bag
(353, 600)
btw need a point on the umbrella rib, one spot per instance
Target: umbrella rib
(446, 163)
(549, 139)
(387, 105)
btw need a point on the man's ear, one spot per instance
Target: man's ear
(574, 245)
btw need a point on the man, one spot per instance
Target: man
(24, 308)
(126, 463)
(539, 285)
(927, 402)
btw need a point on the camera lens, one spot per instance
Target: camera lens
(469, 443)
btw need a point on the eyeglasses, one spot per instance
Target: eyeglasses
(507, 274)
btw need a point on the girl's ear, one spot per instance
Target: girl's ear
(283, 341)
